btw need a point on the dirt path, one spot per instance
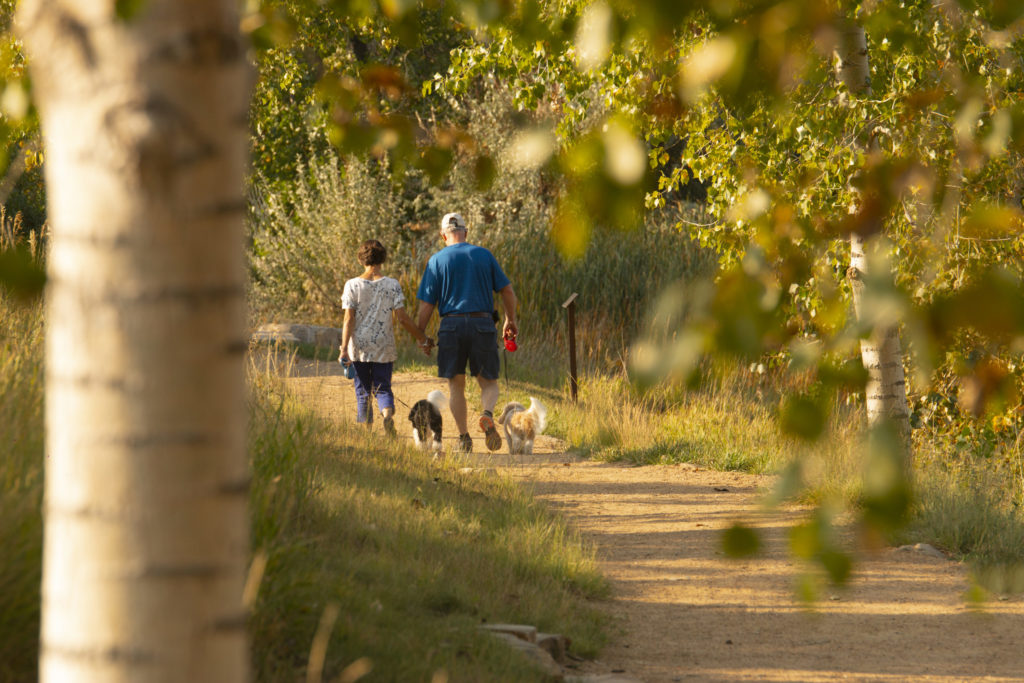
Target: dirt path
(689, 614)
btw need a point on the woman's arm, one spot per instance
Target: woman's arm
(422, 339)
(346, 331)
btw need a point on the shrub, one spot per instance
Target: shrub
(304, 240)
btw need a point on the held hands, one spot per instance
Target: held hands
(427, 345)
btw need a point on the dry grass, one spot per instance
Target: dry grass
(410, 555)
(967, 505)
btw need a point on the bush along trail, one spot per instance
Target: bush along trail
(682, 610)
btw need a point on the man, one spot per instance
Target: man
(460, 281)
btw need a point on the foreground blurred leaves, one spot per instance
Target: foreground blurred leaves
(634, 109)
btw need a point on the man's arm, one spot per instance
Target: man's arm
(423, 315)
(422, 318)
(508, 302)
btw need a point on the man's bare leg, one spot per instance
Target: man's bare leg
(488, 393)
(457, 401)
(488, 399)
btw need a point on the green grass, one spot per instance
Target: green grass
(722, 427)
(969, 506)
(397, 561)
(413, 555)
(21, 487)
(967, 514)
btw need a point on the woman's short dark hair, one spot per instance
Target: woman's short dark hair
(372, 253)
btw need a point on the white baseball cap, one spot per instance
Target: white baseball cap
(453, 221)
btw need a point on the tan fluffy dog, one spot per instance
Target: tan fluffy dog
(522, 425)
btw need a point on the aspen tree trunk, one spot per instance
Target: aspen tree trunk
(885, 392)
(146, 530)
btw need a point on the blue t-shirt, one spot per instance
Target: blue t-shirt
(462, 278)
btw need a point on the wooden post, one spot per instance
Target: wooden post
(570, 306)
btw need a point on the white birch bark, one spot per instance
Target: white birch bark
(146, 531)
(881, 353)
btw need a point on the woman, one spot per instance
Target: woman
(371, 302)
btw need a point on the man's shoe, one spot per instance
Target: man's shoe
(491, 436)
(389, 426)
(465, 443)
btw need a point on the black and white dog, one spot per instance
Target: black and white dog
(426, 421)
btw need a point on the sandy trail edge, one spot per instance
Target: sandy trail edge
(688, 613)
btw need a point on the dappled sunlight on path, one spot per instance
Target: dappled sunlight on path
(688, 613)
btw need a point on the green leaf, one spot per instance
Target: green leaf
(805, 540)
(848, 374)
(740, 541)
(999, 577)
(127, 10)
(435, 162)
(570, 231)
(806, 588)
(992, 303)
(802, 417)
(1001, 13)
(838, 565)
(789, 483)
(484, 172)
(886, 493)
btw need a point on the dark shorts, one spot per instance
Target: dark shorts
(472, 340)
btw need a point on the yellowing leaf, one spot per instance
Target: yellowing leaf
(593, 36)
(705, 65)
(625, 156)
(570, 231)
(531, 149)
(990, 221)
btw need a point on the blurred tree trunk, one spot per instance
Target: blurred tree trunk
(881, 353)
(146, 530)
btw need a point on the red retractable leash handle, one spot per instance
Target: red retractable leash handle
(510, 345)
